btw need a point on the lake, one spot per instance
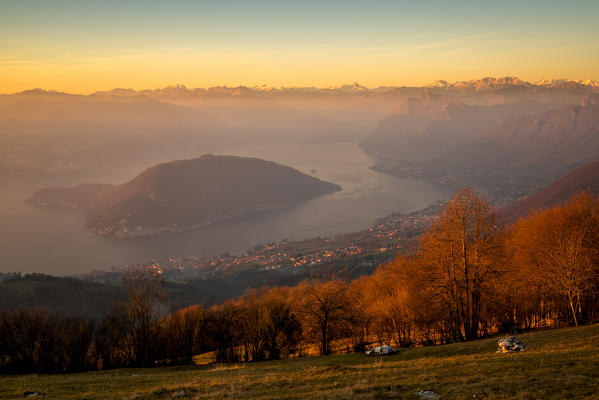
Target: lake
(55, 242)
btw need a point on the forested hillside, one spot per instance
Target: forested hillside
(467, 278)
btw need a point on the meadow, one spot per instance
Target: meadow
(557, 364)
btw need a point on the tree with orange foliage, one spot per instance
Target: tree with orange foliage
(271, 329)
(184, 331)
(460, 254)
(282, 330)
(390, 294)
(360, 316)
(560, 247)
(323, 305)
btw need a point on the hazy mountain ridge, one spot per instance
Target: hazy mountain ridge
(511, 157)
(186, 194)
(349, 90)
(527, 152)
(424, 127)
(45, 131)
(486, 83)
(491, 83)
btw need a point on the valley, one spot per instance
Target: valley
(55, 241)
(299, 200)
(410, 177)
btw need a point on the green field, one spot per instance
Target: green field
(557, 364)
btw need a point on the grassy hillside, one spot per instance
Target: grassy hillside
(557, 364)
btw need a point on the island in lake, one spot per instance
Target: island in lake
(184, 195)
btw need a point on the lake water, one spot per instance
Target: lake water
(55, 242)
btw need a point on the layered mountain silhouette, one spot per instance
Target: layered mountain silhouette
(424, 127)
(528, 151)
(183, 195)
(509, 82)
(513, 156)
(47, 132)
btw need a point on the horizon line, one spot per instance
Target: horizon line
(437, 84)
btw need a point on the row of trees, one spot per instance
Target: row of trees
(467, 277)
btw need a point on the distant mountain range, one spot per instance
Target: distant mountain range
(486, 83)
(183, 195)
(426, 126)
(429, 131)
(46, 131)
(457, 144)
(527, 152)
(490, 83)
(585, 178)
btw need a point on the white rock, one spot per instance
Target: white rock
(509, 345)
(427, 394)
(381, 350)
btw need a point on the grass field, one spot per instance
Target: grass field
(557, 364)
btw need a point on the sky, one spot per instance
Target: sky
(82, 46)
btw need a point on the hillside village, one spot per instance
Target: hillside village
(380, 243)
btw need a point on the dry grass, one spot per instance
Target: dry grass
(558, 364)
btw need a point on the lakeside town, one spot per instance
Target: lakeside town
(381, 242)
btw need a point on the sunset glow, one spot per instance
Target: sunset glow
(85, 46)
(265, 199)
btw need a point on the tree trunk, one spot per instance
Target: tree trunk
(573, 310)
(325, 348)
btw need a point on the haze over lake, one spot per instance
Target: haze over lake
(55, 241)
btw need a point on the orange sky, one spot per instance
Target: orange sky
(78, 46)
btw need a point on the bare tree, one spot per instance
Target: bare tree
(460, 253)
(324, 304)
(184, 333)
(135, 322)
(224, 332)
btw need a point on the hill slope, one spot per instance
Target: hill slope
(69, 296)
(558, 364)
(528, 152)
(585, 178)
